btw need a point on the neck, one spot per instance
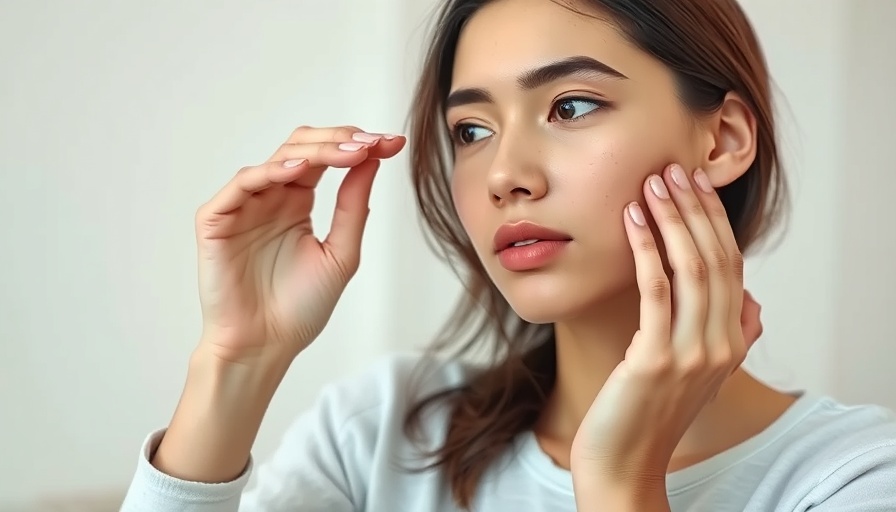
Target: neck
(589, 349)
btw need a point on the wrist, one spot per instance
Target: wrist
(218, 417)
(227, 380)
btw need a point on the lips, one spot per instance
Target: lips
(525, 233)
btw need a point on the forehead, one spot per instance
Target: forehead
(507, 37)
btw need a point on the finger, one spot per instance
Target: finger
(716, 270)
(311, 134)
(653, 283)
(718, 217)
(322, 155)
(252, 180)
(314, 135)
(388, 147)
(688, 269)
(331, 154)
(350, 216)
(382, 145)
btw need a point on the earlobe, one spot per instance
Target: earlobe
(733, 141)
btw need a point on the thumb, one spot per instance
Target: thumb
(350, 216)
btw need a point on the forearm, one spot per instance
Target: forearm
(217, 419)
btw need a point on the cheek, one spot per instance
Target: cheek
(463, 195)
(616, 170)
(457, 194)
(608, 176)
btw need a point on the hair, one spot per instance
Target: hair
(711, 49)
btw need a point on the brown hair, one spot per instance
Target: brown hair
(711, 48)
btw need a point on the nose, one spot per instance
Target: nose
(516, 173)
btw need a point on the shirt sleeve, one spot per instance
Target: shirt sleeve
(154, 491)
(867, 483)
(305, 474)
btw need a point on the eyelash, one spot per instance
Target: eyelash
(457, 129)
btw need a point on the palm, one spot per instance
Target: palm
(266, 282)
(258, 268)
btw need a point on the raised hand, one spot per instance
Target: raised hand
(681, 355)
(267, 285)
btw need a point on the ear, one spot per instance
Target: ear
(732, 141)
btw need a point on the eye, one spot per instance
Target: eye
(464, 134)
(571, 109)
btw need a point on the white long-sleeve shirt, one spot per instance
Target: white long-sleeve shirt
(347, 454)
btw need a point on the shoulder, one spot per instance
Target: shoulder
(850, 436)
(843, 432)
(845, 452)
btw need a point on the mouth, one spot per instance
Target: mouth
(524, 234)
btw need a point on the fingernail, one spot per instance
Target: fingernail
(702, 181)
(658, 187)
(294, 163)
(389, 136)
(351, 146)
(365, 137)
(679, 177)
(637, 215)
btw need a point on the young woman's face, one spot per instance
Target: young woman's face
(558, 120)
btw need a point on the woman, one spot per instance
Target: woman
(595, 169)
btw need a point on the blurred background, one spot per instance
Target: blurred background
(119, 118)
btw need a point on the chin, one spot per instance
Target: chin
(544, 298)
(539, 315)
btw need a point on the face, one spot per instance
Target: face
(565, 148)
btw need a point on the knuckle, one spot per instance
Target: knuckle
(659, 289)
(204, 219)
(736, 260)
(696, 268)
(200, 215)
(345, 132)
(647, 244)
(673, 217)
(663, 363)
(289, 150)
(658, 365)
(717, 210)
(718, 260)
(722, 358)
(301, 130)
(322, 150)
(696, 208)
(694, 362)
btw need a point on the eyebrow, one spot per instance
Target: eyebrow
(581, 66)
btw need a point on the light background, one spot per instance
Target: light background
(119, 118)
